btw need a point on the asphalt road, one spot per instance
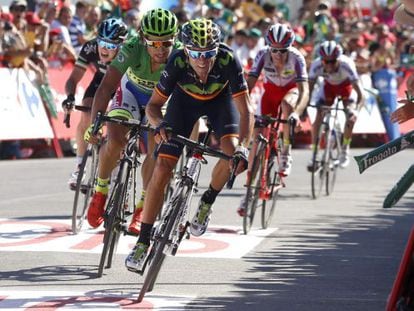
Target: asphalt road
(336, 253)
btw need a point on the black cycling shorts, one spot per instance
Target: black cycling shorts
(183, 111)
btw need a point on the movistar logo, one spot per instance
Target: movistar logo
(225, 61)
(179, 62)
(368, 161)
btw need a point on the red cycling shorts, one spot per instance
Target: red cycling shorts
(341, 90)
(273, 96)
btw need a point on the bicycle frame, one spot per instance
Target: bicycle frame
(269, 138)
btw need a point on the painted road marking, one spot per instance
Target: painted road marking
(56, 235)
(95, 300)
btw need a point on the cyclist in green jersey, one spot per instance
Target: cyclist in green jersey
(133, 74)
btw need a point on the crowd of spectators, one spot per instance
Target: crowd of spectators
(38, 34)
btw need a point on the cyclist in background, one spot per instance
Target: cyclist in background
(285, 85)
(136, 70)
(98, 52)
(340, 79)
(203, 79)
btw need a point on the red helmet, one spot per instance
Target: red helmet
(280, 34)
(330, 50)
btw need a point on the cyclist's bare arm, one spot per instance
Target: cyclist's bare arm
(360, 95)
(74, 78)
(311, 87)
(251, 82)
(105, 90)
(242, 103)
(303, 98)
(154, 113)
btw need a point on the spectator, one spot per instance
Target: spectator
(77, 27)
(59, 52)
(239, 47)
(92, 20)
(62, 22)
(132, 20)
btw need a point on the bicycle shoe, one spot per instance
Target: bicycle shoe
(96, 209)
(135, 225)
(201, 219)
(136, 258)
(285, 165)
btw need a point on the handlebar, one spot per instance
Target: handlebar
(131, 123)
(205, 149)
(69, 107)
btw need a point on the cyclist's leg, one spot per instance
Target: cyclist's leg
(110, 152)
(351, 117)
(224, 120)
(287, 105)
(167, 157)
(81, 128)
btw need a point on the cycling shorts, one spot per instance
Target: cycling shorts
(329, 92)
(183, 111)
(130, 100)
(273, 96)
(93, 86)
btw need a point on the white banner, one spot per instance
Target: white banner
(22, 114)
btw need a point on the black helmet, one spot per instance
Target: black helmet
(112, 30)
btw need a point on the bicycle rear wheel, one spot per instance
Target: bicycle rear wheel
(334, 153)
(253, 188)
(162, 237)
(85, 184)
(273, 183)
(318, 169)
(113, 218)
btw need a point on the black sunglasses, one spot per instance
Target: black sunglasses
(330, 61)
(275, 50)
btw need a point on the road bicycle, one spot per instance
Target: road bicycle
(327, 150)
(85, 183)
(122, 199)
(174, 225)
(264, 180)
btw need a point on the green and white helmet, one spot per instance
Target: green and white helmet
(200, 33)
(159, 23)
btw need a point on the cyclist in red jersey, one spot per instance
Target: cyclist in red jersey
(340, 79)
(285, 85)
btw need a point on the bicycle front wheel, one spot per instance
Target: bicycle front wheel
(253, 188)
(319, 166)
(334, 153)
(273, 184)
(112, 220)
(161, 238)
(85, 184)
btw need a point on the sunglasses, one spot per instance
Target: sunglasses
(159, 44)
(206, 54)
(330, 61)
(275, 50)
(107, 45)
(19, 8)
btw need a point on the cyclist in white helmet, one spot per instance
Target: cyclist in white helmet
(340, 79)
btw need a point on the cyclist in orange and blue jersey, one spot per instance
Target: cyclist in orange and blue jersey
(203, 79)
(340, 79)
(133, 74)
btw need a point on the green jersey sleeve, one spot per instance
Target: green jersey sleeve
(131, 51)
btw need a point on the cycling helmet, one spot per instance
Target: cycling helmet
(159, 23)
(200, 33)
(330, 50)
(112, 30)
(280, 34)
